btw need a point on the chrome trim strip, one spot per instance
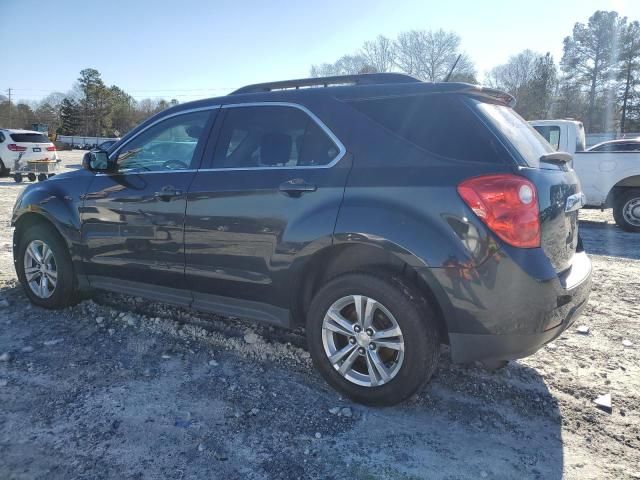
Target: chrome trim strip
(162, 119)
(341, 148)
(134, 172)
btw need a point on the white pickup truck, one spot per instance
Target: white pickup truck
(609, 179)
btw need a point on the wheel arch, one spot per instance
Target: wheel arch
(624, 184)
(342, 258)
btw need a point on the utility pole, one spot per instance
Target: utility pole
(9, 90)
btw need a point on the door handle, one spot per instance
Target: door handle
(167, 193)
(296, 187)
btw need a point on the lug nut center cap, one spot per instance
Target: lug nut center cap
(363, 339)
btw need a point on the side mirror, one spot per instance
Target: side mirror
(97, 161)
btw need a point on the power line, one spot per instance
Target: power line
(9, 91)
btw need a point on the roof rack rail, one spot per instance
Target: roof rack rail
(363, 79)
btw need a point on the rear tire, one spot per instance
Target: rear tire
(31, 177)
(4, 171)
(626, 210)
(17, 178)
(356, 373)
(58, 289)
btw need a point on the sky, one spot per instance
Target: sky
(189, 49)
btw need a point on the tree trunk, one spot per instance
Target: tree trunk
(624, 99)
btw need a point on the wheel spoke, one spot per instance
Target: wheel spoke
(33, 252)
(348, 363)
(31, 272)
(52, 276)
(387, 333)
(369, 310)
(338, 323)
(393, 344)
(47, 253)
(340, 354)
(44, 289)
(377, 370)
(357, 300)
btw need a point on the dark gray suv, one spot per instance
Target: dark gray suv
(387, 215)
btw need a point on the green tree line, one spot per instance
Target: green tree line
(91, 108)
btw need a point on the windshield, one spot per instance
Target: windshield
(522, 136)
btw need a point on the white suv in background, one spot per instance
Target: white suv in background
(19, 146)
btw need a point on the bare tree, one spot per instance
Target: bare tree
(379, 54)
(345, 65)
(429, 55)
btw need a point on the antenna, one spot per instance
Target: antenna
(452, 68)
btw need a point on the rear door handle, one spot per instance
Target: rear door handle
(167, 193)
(296, 187)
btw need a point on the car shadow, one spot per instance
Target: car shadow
(602, 238)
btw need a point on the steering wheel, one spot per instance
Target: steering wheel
(175, 165)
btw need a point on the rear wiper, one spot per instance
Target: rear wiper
(556, 157)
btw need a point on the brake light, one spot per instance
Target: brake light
(16, 148)
(508, 205)
(52, 148)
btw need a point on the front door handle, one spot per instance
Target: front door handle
(167, 193)
(296, 187)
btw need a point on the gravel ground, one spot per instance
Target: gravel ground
(118, 387)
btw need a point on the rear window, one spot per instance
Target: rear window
(524, 138)
(29, 138)
(441, 124)
(551, 134)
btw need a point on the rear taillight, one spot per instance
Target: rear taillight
(16, 148)
(508, 205)
(52, 148)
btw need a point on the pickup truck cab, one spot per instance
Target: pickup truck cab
(610, 179)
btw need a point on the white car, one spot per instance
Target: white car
(17, 147)
(610, 179)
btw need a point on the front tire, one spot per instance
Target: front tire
(626, 210)
(44, 267)
(374, 339)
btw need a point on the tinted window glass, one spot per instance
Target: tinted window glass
(551, 134)
(524, 138)
(168, 145)
(441, 124)
(272, 137)
(29, 138)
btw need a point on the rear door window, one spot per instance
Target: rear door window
(272, 136)
(440, 124)
(29, 138)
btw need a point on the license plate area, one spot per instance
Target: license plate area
(37, 149)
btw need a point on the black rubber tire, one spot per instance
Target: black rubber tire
(42, 177)
(65, 291)
(415, 318)
(31, 177)
(4, 171)
(621, 200)
(17, 177)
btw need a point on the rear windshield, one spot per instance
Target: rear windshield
(29, 138)
(440, 124)
(524, 138)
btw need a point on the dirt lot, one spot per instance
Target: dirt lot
(118, 387)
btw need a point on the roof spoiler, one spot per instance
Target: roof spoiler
(556, 157)
(340, 80)
(499, 95)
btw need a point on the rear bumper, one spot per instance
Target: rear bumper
(500, 312)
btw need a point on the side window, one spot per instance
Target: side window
(264, 136)
(440, 124)
(168, 145)
(551, 134)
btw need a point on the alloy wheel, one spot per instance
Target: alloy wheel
(363, 340)
(40, 269)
